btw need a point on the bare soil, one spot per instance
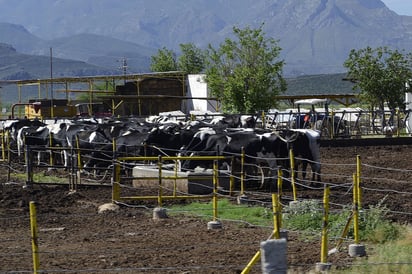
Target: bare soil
(75, 238)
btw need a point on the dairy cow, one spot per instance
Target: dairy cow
(305, 144)
(264, 149)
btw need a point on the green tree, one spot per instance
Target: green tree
(192, 59)
(245, 74)
(164, 60)
(380, 75)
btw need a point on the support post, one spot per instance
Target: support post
(231, 178)
(324, 265)
(242, 198)
(280, 181)
(3, 147)
(8, 159)
(34, 237)
(160, 191)
(242, 171)
(215, 224)
(159, 212)
(51, 149)
(292, 173)
(215, 190)
(274, 251)
(356, 249)
(116, 175)
(29, 167)
(355, 210)
(79, 160)
(276, 221)
(358, 176)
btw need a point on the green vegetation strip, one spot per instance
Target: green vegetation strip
(389, 245)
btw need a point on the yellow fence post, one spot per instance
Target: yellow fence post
(280, 181)
(276, 221)
(358, 176)
(275, 233)
(324, 247)
(292, 173)
(160, 192)
(215, 224)
(116, 182)
(347, 225)
(231, 178)
(215, 172)
(332, 125)
(176, 170)
(51, 149)
(116, 175)
(79, 160)
(356, 249)
(3, 147)
(251, 263)
(242, 168)
(34, 237)
(8, 158)
(355, 210)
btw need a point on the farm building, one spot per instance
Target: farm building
(151, 96)
(122, 95)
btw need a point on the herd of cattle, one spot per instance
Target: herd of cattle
(100, 141)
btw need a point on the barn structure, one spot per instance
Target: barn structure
(115, 95)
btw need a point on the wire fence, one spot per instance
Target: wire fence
(74, 238)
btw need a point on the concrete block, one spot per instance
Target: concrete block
(196, 183)
(274, 256)
(357, 250)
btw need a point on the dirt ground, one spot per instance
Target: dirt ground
(75, 238)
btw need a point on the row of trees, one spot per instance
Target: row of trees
(245, 73)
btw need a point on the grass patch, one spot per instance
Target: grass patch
(391, 257)
(41, 178)
(304, 216)
(227, 210)
(389, 245)
(307, 216)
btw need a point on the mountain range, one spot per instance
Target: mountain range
(97, 36)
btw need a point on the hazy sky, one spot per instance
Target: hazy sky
(401, 7)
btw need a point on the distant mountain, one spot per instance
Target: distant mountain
(94, 49)
(104, 51)
(316, 36)
(15, 66)
(20, 38)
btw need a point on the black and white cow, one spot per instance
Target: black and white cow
(16, 130)
(264, 149)
(234, 121)
(305, 144)
(231, 143)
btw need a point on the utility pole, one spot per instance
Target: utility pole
(124, 67)
(51, 83)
